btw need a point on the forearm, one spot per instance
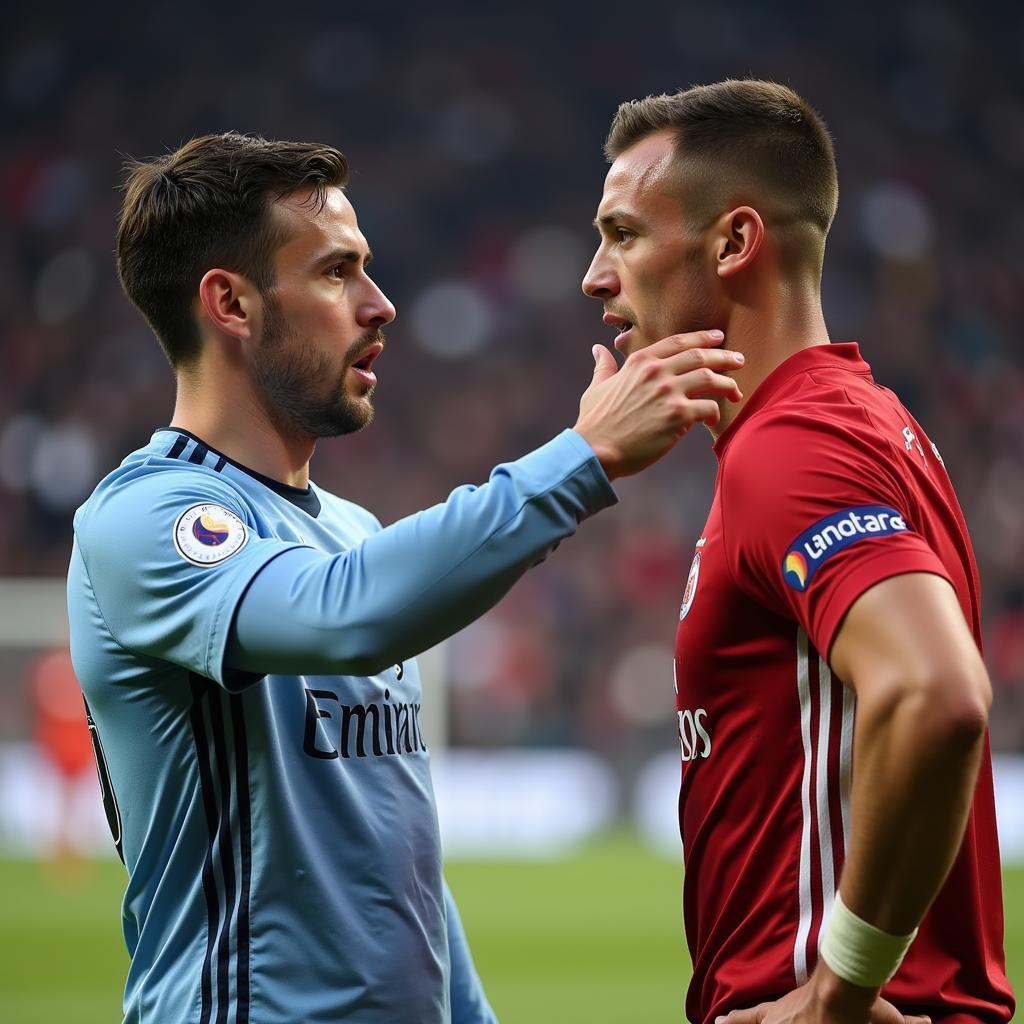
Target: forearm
(916, 757)
(411, 585)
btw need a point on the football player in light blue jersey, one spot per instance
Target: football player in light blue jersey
(245, 641)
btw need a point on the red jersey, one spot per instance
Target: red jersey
(826, 486)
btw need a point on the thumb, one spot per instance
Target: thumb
(604, 364)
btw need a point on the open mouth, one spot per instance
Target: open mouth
(364, 364)
(367, 359)
(624, 326)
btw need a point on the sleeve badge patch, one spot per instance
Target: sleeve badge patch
(828, 536)
(691, 587)
(208, 534)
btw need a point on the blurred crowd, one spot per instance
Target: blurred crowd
(474, 135)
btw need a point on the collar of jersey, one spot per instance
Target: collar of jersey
(845, 354)
(302, 497)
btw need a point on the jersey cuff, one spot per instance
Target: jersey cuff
(863, 577)
(577, 459)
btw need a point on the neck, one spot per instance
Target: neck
(233, 420)
(768, 334)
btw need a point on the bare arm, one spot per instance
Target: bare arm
(923, 697)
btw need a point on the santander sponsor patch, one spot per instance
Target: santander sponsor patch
(818, 543)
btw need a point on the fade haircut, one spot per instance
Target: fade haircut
(209, 204)
(741, 142)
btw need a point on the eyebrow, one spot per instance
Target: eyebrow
(606, 220)
(345, 256)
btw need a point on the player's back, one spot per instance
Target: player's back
(826, 486)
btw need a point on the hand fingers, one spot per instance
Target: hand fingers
(605, 365)
(917, 1020)
(714, 358)
(704, 410)
(704, 382)
(680, 342)
(754, 1015)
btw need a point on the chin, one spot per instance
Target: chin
(360, 413)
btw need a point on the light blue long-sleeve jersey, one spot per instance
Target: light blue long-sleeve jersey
(246, 653)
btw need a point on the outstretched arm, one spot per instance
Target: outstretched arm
(427, 576)
(420, 580)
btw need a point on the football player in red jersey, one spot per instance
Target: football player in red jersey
(836, 803)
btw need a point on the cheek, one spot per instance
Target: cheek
(322, 317)
(325, 332)
(321, 307)
(662, 290)
(676, 302)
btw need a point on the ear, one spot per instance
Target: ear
(741, 233)
(230, 302)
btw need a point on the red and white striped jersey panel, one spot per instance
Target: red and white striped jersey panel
(826, 731)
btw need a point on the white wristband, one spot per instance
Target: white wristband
(859, 952)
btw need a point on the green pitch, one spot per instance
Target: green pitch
(592, 938)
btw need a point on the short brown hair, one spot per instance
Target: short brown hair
(207, 205)
(741, 135)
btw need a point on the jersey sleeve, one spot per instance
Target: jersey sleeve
(408, 586)
(469, 1004)
(814, 514)
(168, 555)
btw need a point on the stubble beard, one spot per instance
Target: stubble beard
(700, 314)
(290, 375)
(697, 313)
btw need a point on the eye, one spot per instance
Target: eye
(624, 235)
(338, 270)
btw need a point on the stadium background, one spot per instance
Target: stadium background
(474, 136)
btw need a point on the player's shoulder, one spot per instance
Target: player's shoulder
(825, 412)
(825, 427)
(793, 433)
(150, 488)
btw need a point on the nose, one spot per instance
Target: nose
(376, 310)
(600, 281)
